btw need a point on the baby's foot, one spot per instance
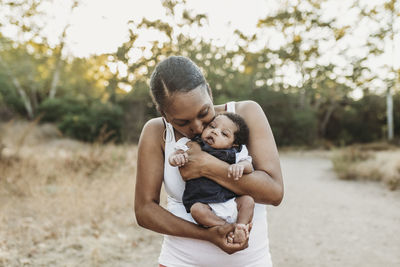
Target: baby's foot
(241, 233)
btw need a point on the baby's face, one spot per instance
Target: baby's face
(220, 133)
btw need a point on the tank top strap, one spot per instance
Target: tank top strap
(230, 107)
(169, 131)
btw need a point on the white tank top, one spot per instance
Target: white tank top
(187, 252)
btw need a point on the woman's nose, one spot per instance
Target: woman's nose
(197, 127)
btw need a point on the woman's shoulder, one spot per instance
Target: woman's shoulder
(155, 123)
(153, 129)
(248, 107)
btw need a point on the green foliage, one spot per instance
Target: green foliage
(396, 116)
(362, 121)
(10, 96)
(84, 120)
(290, 124)
(52, 110)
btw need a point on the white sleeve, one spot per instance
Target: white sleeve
(243, 155)
(181, 144)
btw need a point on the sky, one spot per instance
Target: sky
(99, 26)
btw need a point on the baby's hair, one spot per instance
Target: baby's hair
(241, 136)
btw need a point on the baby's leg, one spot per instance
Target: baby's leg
(245, 206)
(203, 215)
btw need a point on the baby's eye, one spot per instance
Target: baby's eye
(212, 126)
(224, 134)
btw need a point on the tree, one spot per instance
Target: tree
(30, 73)
(382, 16)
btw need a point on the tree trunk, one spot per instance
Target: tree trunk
(57, 68)
(20, 90)
(389, 113)
(327, 117)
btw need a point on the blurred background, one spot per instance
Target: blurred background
(323, 71)
(74, 96)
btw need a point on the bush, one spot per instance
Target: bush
(344, 161)
(10, 97)
(360, 121)
(84, 121)
(369, 162)
(290, 124)
(52, 110)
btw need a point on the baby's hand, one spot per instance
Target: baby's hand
(178, 160)
(235, 171)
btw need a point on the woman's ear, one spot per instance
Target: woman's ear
(160, 111)
(163, 114)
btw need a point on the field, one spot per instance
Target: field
(66, 203)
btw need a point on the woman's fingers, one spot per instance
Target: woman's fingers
(230, 237)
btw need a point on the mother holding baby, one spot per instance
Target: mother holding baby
(184, 99)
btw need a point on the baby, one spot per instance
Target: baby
(209, 203)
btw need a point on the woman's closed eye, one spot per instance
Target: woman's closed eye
(182, 123)
(204, 113)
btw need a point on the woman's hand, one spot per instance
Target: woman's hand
(220, 234)
(196, 161)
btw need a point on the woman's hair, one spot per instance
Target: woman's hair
(241, 136)
(174, 74)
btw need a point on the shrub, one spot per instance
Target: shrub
(291, 125)
(84, 120)
(360, 121)
(344, 161)
(369, 163)
(52, 110)
(100, 120)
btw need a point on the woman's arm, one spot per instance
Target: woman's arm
(149, 177)
(265, 184)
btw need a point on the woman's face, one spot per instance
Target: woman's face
(189, 112)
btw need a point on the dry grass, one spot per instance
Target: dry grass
(377, 162)
(66, 203)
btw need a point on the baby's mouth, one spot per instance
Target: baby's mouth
(209, 140)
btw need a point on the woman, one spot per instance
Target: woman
(184, 100)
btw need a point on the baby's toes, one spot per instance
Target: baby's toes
(239, 236)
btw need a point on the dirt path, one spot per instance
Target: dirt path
(324, 221)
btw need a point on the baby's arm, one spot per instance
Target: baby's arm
(236, 170)
(178, 158)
